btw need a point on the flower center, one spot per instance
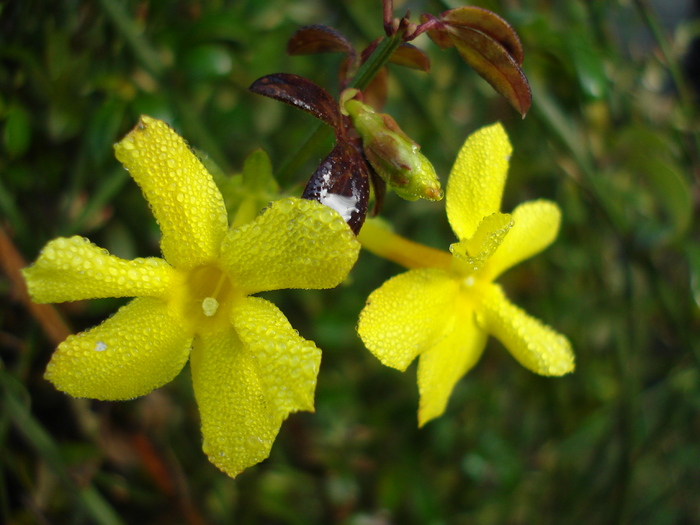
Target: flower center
(210, 306)
(210, 295)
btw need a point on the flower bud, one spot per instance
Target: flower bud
(392, 154)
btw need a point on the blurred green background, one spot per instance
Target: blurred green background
(612, 137)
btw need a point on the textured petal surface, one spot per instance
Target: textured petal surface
(138, 349)
(71, 269)
(535, 345)
(444, 364)
(294, 243)
(237, 424)
(185, 201)
(286, 363)
(535, 226)
(407, 314)
(475, 251)
(477, 178)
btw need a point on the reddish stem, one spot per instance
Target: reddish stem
(388, 12)
(432, 23)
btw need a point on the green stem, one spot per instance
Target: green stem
(319, 133)
(376, 61)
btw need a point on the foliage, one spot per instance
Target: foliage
(611, 136)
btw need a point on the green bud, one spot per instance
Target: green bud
(392, 154)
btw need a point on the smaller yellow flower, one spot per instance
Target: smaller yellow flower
(444, 308)
(250, 368)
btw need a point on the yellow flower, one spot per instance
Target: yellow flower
(250, 369)
(446, 306)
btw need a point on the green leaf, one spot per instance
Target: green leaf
(207, 62)
(648, 154)
(673, 195)
(589, 66)
(692, 252)
(104, 128)
(17, 133)
(257, 173)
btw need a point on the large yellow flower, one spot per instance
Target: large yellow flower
(445, 307)
(249, 367)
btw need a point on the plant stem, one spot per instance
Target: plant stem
(377, 60)
(387, 14)
(320, 133)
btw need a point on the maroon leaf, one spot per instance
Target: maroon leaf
(407, 55)
(439, 36)
(341, 182)
(495, 64)
(488, 23)
(301, 93)
(310, 40)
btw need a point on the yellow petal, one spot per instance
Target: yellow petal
(535, 226)
(294, 243)
(140, 348)
(535, 345)
(440, 367)
(471, 254)
(237, 424)
(286, 363)
(407, 314)
(185, 201)
(477, 178)
(71, 269)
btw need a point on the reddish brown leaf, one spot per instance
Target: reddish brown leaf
(310, 40)
(495, 64)
(301, 93)
(439, 36)
(341, 182)
(407, 55)
(488, 23)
